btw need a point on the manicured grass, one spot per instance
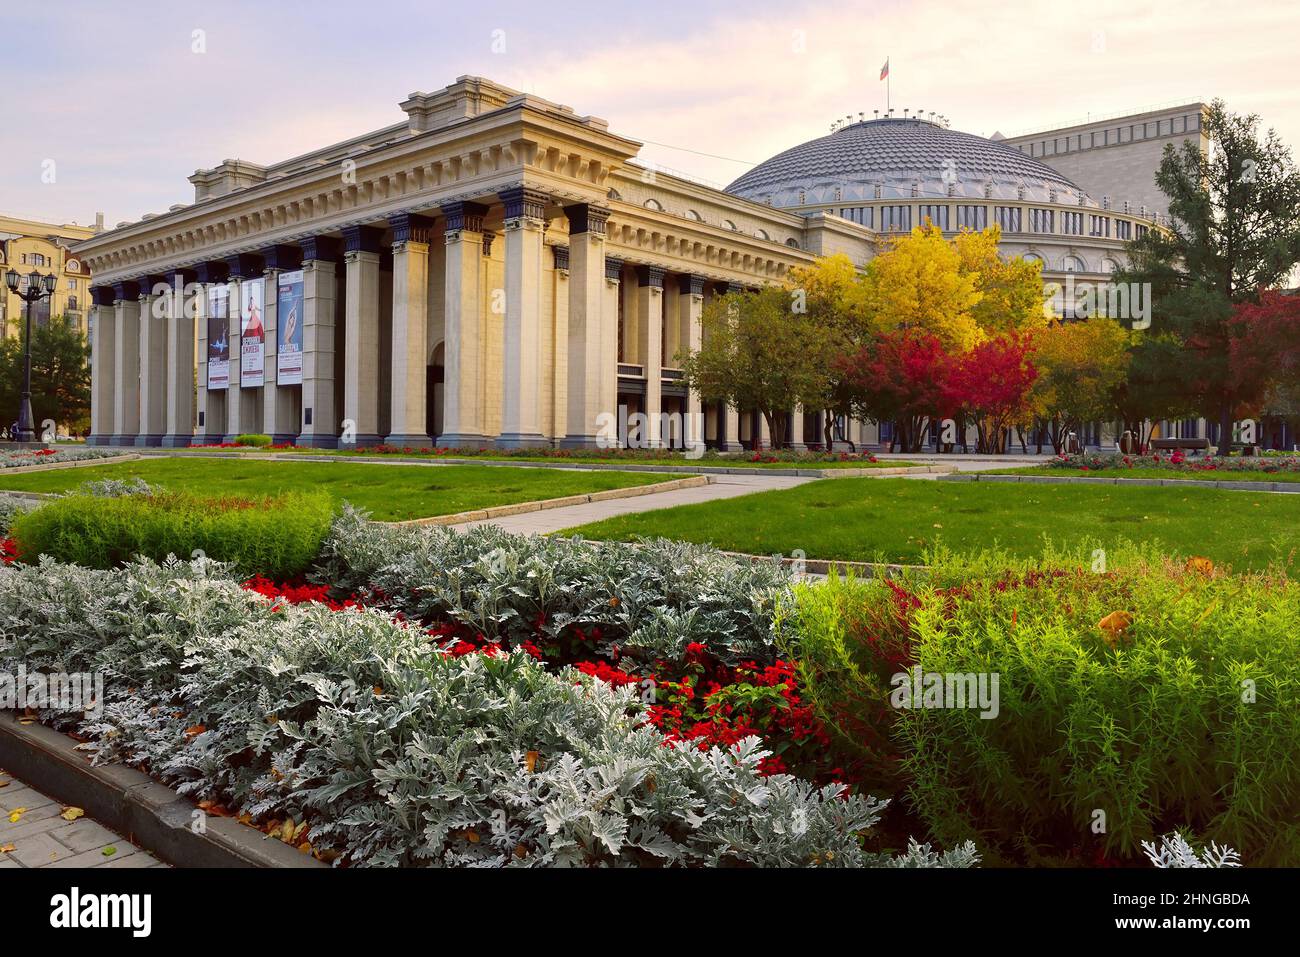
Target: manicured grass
(897, 519)
(388, 492)
(1199, 475)
(739, 460)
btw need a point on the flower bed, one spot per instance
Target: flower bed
(18, 458)
(370, 742)
(1175, 461)
(1148, 697)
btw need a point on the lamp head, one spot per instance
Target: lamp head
(50, 281)
(12, 279)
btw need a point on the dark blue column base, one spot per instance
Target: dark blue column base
(123, 441)
(317, 441)
(462, 440)
(99, 440)
(145, 441)
(284, 438)
(730, 446)
(179, 441)
(363, 440)
(202, 439)
(523, 440)
(409, 441)
(579, 442)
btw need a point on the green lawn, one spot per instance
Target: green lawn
(1215, 475)
(738, 460)
(389, 492)
(895, 519)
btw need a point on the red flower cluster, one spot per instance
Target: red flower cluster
(298, 592)
(8, 551)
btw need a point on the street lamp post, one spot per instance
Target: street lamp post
(38, 287)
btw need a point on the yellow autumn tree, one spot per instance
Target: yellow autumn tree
(1011, 290)
(1081, 365)
(919, 284)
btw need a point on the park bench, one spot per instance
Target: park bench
(1193, 445)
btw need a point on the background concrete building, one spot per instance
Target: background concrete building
(26, 245)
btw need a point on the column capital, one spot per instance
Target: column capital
(102, 295)
(561, 254)
(692, 285)
(652, 276)
(127, 290)
(186, 276)
(524, 202)
(464, 216)
(361, 239)
(320, 249)
(735, 287)
(281, 256)
(613, 269)
(410, 228)
(244, 265)
(213, 271)
(148, 282)
(587, 218)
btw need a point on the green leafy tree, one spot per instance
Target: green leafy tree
(760, 352)
(60, 375)
(1235, 231)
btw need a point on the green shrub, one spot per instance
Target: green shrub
(1187, 719)
(277, 537)
(254, 439)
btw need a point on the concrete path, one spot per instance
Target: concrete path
(555, 519)
(40, 837)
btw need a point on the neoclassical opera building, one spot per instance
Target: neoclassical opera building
(497, 269)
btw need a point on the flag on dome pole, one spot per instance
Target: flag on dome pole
(884, 75)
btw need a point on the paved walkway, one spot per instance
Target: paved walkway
(555, 519)
(40, 837)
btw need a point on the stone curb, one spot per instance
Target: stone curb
(519, 508)
(136, 806)
(80, 463)
(1233, 486)
(561, 464)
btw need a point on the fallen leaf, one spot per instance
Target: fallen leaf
(16, 814)
(1114, 625)
(471, 836)
(5, 782)
(26, 720)
(6, 848)
(195, 731)
(378, 690)
(286, 831)
(246, 819)
(521, 851)
(109, 851)
(72, 813)
(299, 831)
(530, 759)
(304, 848)
(1198, 564)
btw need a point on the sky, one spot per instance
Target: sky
(109, 107)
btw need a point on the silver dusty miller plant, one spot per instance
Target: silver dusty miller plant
(396, 753)
(1174, 851)
(650, 598)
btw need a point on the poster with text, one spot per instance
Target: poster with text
(218, 337)
(289, 333)
(252, 334)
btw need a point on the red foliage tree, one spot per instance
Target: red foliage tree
(1264, 353)
(991, 384)
(898, 377)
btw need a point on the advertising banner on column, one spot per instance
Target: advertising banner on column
(218, 337)
(252, 334)
(288, 360)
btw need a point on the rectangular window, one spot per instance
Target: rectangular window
(973, 217)
(1042, 220)
(895, 219)
(936, 214)
(1072, 224)
(1008, 218)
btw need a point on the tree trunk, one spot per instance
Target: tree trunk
(1225, 429)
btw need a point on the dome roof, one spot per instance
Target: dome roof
(902, 158)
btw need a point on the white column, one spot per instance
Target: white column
(462, 417)
(234, 335)
(521, 397)
(588, 371)
(153, 362)
(650, 315)
(411, 359)
(361, 336)
(796, 430)
(608, 378)
(126, 371)
(103, 361)
(691, 306)
(179, 312)
(320, 427)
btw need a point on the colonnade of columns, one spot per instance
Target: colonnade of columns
(517, 336)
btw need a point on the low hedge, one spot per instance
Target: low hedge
(1150, 697)
(373, 746)
(275, 536)
(253, 439)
